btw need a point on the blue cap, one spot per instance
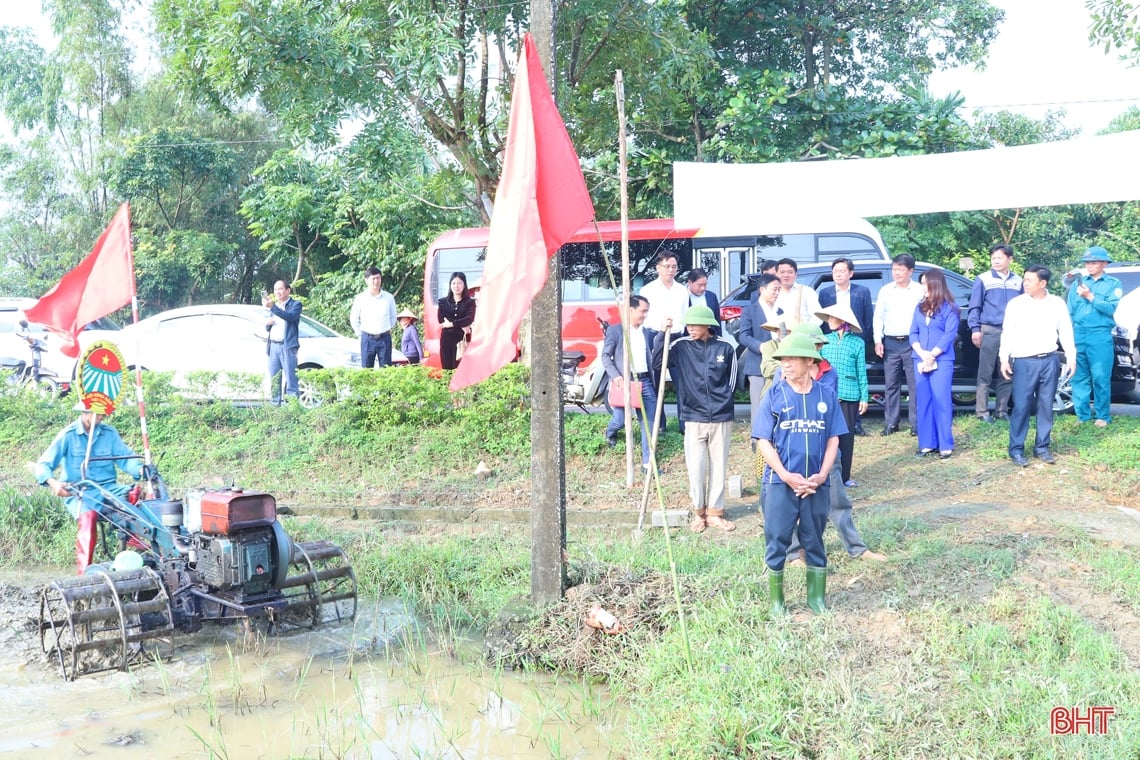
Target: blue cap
(1096, 253)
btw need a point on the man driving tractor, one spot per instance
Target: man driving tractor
(88, 441)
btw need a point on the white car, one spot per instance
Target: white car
(53, 360)
(227, 338)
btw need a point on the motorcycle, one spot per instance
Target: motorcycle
(589, 388)
(21, 376)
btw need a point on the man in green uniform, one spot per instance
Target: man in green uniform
(1092, 302)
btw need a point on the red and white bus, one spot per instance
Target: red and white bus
(586, 290)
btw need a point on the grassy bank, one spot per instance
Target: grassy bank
(960, 646)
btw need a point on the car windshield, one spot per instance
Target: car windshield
(311, 328)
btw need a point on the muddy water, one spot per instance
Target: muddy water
(376, 688)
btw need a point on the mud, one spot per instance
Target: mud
(376, 688)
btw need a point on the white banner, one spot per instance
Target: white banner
(741, 199)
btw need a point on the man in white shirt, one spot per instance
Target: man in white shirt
(668, 298)
(894, 312)
(372, 318)
(1034, 323)
(799, 302)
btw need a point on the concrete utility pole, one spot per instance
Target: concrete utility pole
(548, 456)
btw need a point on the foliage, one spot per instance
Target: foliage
(1116, 23)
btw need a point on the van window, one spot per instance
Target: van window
(855, 247)
(451, 260)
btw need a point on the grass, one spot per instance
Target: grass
(960, 646)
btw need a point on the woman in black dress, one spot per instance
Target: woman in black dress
(456, 313)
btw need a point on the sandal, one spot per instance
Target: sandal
(719, 522)
(698, 524)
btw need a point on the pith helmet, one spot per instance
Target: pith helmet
(797, 344)
(700, 315)
(811, 331)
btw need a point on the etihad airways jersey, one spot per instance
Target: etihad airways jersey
(798, 425)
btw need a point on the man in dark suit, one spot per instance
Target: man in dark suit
(700, 295)
(858, 297)
(284, 342)
(640, 348)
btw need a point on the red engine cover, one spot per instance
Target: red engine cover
(226, 512)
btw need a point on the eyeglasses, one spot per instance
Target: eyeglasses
(666, 266)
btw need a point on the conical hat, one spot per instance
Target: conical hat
(841, 311)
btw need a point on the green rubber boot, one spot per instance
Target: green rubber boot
(816, 588)
(776, 592)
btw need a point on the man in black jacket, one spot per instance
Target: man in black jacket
(703, 370)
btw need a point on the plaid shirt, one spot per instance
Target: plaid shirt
(847, 353)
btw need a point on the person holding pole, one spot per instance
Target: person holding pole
(704, 371)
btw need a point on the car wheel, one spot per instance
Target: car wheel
(1063, 398)
(308, 395)
(46, 388)
(964, 399)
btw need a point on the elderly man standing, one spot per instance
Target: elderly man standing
(1092, 304)
(993, 290)
(894, 311)
(372, 318)
(284, 340)
(1035, 322)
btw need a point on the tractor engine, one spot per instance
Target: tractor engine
(236, 544)
(243, 562)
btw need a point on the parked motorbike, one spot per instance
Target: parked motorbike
(588, 388)
(22, 376)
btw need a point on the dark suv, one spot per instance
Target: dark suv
(875, 274)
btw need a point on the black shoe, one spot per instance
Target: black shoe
(913, 432)
(987, 417)
(611, 442)
(1002, 416)
(1046, 456)
(922, 453)
(890, 429)
(1019, 460)
(945, 454)
(859, 429)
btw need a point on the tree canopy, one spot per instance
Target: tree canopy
(309, 139)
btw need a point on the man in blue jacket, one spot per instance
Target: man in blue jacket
(1092, 303)
(87, 449)
(993, 290)
(284, 342)
(703, 368)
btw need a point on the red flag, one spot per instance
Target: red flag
(542, 201)
(102, 283)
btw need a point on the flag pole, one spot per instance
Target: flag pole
(138, 365)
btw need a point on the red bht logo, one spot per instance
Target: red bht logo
(1070, 720)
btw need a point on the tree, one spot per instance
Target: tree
(1116, 24)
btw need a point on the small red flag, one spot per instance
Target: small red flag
(102, 283)
(542, 201)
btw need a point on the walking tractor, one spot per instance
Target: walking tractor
(216, 555)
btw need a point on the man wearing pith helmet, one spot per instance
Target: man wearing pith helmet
(703, 369)
(1092, 306)
(797, 432)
